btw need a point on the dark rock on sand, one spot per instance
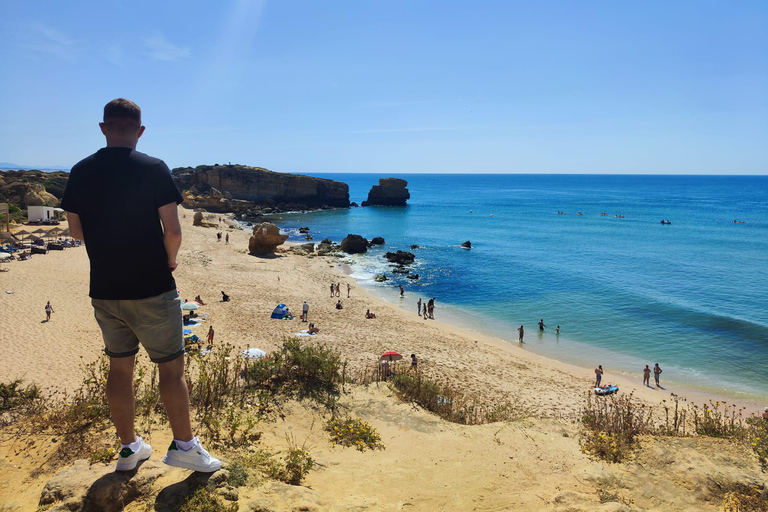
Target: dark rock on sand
(389, 192)
(400, 257)
(354, 244)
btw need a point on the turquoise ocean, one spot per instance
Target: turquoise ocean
(691, 296)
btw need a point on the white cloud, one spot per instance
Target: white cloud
(44, 39)
(159, 48)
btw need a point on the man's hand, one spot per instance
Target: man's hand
(172, 265)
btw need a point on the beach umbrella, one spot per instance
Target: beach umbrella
(254, 353)
(40, 231)
(391, 356)
(22, 233)
(190, 306)
(7, 237)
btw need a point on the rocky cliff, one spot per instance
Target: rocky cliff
(239, 188)
(389, 192)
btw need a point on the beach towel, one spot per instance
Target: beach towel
(305, 334)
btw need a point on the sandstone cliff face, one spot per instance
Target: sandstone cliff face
(26, 194)
(222, 187)
(389, 192)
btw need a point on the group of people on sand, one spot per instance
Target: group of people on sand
(646, 375)
(426, 309)
(218, 237)
(542, 326)
(336, 290)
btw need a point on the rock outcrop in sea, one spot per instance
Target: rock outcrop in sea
(243, 189)
(389, 192)
(266, 237)
(354, 244)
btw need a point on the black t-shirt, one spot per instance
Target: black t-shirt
(116, 192)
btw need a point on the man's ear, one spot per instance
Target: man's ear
(141, 131)
(103, 128)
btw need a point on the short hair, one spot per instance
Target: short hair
(122, 109)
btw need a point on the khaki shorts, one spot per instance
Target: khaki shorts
(155, 323)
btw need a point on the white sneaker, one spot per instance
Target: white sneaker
(196, 458)
(127, 459)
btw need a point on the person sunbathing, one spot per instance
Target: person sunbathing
(368, 314)
(199, 301)
(338, 305)
(312, 329)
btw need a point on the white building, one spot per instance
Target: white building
(40, 213)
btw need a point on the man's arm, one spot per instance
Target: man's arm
(169, 217)
(75, 228)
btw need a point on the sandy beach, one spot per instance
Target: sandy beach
(434, 464)
(49, 353)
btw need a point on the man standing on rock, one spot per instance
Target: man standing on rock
(132, 287)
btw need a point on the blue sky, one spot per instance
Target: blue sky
(396, 86)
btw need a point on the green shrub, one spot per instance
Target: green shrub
(353, 432)
(203, 500)
(449, 403)
(238, 474)
(13, 396)
(710, 420)
(612, 424)
(295, 466)
(301, 370)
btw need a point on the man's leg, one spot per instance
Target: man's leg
(173, 391)
(120, 396)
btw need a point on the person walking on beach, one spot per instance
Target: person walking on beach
(218, 236)
(402, 291)
(48, 311)
(521, 332)
(332, 289)
(414, 362)
(211, 332)
(656, 373)
(128, 288)
(431, 308)
(348, 289)
(338, 289)
(541, 324)
(418, 306)
(226, 239)
(305, 311)
(646, 376)
(598, 375)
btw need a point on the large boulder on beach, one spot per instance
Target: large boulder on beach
(354, 244)
(266, 237)
(389, 192)
(400, 257)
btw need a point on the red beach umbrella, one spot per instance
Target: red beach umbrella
(391, 356)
